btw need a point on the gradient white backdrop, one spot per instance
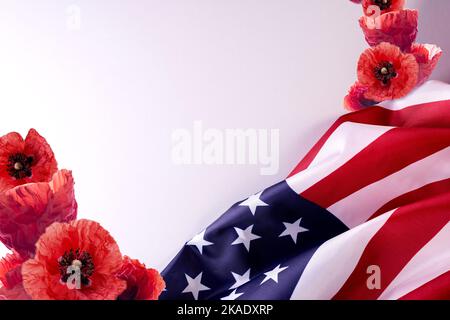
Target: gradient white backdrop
(108, 96)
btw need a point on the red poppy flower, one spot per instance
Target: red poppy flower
(356, 100)
(11, 278)
(428, 56)
(383, 5)
(25, 161)
(10, 274)
(387, 72)
(15, 293)
(397, 27)
(142, 283)
(74, 261)
(27, 210)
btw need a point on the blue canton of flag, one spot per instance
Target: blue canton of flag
(257, 250)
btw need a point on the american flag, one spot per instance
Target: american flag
(365, 215)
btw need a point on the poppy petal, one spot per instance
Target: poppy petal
(355, 100)
(16, 293)
(10, 274)
(27, 210)
(398, 27)
(45, 164)
(142, 283)
(428, 56)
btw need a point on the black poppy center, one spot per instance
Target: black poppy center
(384, 72)
(19, 166)
(75, 262)
(383, 4)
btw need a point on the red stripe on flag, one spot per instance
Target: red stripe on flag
(393, 151)
(429, 115)
(396, 243)
(437, 289)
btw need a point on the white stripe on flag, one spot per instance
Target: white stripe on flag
(332, 264)
(432, 261)
(346, 141)
(431, 91)
(361, 205)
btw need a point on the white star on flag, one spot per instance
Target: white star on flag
(245, 237)
(195, 285)
(273, 274)
(200, 242)
(293, 229)
(232, 296)
(240, 280)
(253, 202)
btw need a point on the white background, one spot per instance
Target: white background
(108, 96)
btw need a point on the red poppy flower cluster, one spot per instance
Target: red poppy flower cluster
(54, 256)
(395, 64)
